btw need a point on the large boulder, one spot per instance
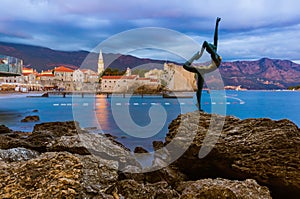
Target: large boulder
(68, 136)
(4, 129)
(98, 175)
(31, 118)
(51, 175)
(57, 129)
(260, 149)
(96, 144)
(8, 142)
(57, 175)
(201, 189)
(17, 154)
(222, 189)
(45, 133)
(131, 189)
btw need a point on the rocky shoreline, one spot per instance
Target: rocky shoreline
(252, 158)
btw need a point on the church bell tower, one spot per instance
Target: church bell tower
(100, 63)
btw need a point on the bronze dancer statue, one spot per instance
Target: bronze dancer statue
(201, 70)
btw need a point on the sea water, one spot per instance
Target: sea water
(121, 116)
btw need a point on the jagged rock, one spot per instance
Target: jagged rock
(133, 173)
(83, 165)
(17, 154)
(222, 189)
(110, 136)
(67, 136)
(4, 129)
(97, 144)
(8, 142)
(98, 175)
(41, 136)
(261, 149)
(157, 145)
(168, 174)
(131, 189)
(57, 129)
(51, 175)
(140, 149)
(65, 175)
(57, 175)
(45, 133)
(32, 118)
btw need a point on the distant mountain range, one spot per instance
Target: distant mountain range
(261, 74)
(42, 58)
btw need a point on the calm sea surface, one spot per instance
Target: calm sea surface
(127, 118)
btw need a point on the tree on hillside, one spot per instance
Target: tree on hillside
(110, 72)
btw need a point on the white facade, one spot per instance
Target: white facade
(63, 74)
(91, 76)
(78, 76)
(126, 83)
(85, 76)
(154, 74)
(117, 83)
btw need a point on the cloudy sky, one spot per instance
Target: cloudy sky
(250, 29)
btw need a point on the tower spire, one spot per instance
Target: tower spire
(100, 63)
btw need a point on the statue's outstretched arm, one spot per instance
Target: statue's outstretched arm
(216, 32)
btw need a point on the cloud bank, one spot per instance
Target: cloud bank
(248, 30)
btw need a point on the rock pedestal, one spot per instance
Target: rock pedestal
(260, 149)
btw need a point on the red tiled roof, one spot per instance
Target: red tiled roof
(119, 77)
(46, 75)
(143, 78)
(27, 71)
(26, 74)
(24, 68)
(63, 69)
(129, 77)
(112, 77)
(89, 71)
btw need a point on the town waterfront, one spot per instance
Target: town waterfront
(95, 112)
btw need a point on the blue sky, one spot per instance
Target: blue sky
(250, 29)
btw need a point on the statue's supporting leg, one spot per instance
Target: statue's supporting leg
(200, 82)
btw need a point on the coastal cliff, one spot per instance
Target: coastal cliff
(253, 158)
